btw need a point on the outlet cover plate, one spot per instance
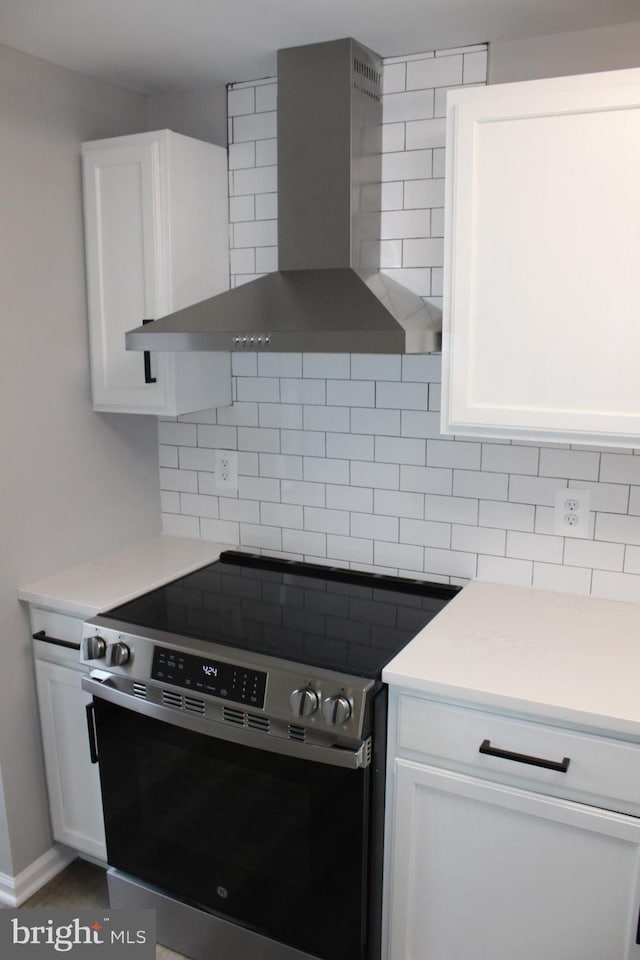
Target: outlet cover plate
(572, 517)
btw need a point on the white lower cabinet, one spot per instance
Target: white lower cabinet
(73, 783)
(480, 869)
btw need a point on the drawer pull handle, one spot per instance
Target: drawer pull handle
(41, 635)
(561, 766)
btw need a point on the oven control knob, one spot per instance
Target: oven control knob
(336, 710)
(118, 654)
(304, 701)
(93, 648)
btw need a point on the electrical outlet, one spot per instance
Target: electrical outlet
(572, 518)
(226, 469)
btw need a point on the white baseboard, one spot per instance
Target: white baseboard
(15, 890)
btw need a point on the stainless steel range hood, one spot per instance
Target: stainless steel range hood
(329, 294)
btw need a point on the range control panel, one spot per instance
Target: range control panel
(204, 675)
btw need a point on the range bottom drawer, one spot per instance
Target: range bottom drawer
(597, 769)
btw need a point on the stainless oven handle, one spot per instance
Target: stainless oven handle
(335, 756)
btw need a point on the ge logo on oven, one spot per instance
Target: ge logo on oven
(222, 892)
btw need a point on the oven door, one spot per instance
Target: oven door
(274, 842)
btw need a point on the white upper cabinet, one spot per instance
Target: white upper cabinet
(156, 233)
(541, 335)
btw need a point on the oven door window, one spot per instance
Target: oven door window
(273, 842)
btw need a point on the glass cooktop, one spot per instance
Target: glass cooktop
(321, 616)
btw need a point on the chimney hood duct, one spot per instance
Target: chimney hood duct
(328, 295)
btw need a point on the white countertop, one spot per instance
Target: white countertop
(92, 587)
(550, 655)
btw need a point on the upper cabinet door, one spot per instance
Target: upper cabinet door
(541, 336)
(156, 238)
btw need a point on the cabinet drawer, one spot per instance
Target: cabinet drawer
(59, 629)
(563, 762)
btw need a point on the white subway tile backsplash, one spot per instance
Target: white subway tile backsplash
(260, 538)
(287, 466)
(541, 490)
(594, 554)
(349, 498)
(408, 165)
(352, 549)
(281, 515)
(425, 533)
(442, 71)
(619, 468)
(323, 520)
(375, 528)
(288, 415)
(517, 573)
(507, 458)
(303, 492)
(399, 450)
(254, 126)
(351, 393)
(453, 453)
(478, 539)
(239, 414)
(245, 511)
(474, 68)
(305, 443)
(259, 488)
(404, 223)
(167, 456)
(377, 475)
(402, 396)
(222, 437)
(307, 427)
(259, 440)
(486, 485)
(302, 390)
(198, 458)
(533, 546)
(336, 419)
(453, 563)
(397, 503)
(424, 193)
(617, 528)
(224, 531)
(450, 509)
(575, 464)
(186, 480)
(426, 479)
(399, 555)
(419, 423)
(169, 501)
(304, 542)
(616, 586)
(425, 134)
(323, 470)
(376, 366)
(508, 516)
(554, 576)
(349, 446)
(406, 105)
(180, 434)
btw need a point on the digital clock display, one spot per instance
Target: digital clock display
(204, 676)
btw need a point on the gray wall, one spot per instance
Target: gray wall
(196, 113)
(562, 54)
(73, 483)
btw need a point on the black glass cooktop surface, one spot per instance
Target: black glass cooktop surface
(321, 616)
